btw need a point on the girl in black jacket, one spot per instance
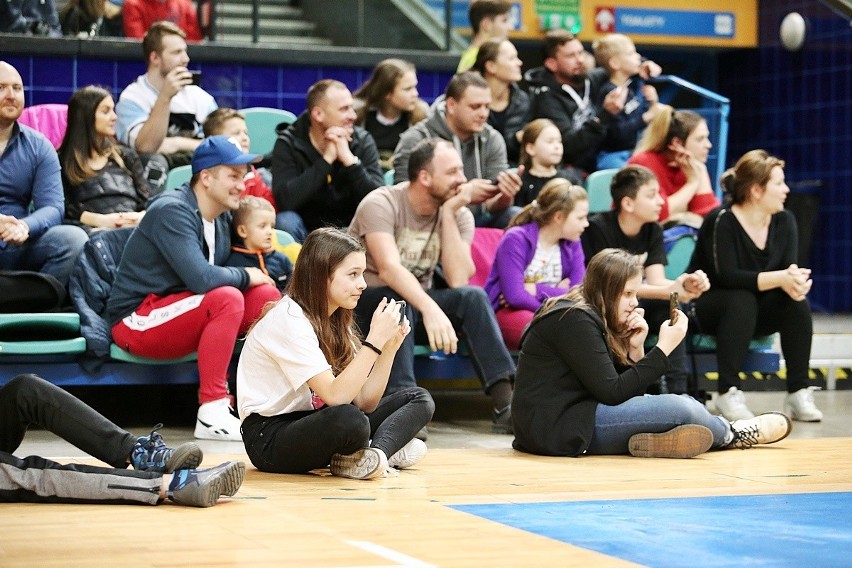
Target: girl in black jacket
(583, 370)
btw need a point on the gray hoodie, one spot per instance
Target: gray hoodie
(483, 154)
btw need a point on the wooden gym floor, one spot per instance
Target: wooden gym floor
(415, 519)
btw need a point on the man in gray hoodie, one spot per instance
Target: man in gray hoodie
(462, 120)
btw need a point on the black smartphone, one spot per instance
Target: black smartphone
(196, 76)
(401, 304)
(673, 306)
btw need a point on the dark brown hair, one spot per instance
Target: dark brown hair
(627, 181)
(480, 9)
(754, 167)
(153, 40)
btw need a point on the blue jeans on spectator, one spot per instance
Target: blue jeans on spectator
(651, 414)
(469, 311)
(55, 252)
(291, 222)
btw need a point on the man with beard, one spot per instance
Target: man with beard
(565, 92)
(462, 118)
(162, 111)
(407, 229)
(32, 204)
(323, 165)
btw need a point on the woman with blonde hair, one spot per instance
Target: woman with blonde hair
(749, 251)
(539, 257)
(583, 371)
(675, 147)
(104, 183)
(388, 103)
(310, 391)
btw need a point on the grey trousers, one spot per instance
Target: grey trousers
(29, 400)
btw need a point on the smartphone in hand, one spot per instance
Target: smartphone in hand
(673, 307)
(196, 76)
(401, 304)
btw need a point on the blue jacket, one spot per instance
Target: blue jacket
(167, 254)
(274, 264)
(90, 287)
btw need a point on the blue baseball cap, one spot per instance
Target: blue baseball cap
(220, 151)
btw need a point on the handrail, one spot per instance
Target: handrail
(723, 106)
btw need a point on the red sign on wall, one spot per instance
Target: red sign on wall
(604, 19)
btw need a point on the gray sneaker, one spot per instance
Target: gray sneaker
(685, 441)
(366, 463)
(203, 487)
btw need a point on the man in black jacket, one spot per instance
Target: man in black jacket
(323, 165)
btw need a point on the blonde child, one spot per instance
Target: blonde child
(229, 122)
(541, 155)
(253, 226)
(539, 257)
(617, 54)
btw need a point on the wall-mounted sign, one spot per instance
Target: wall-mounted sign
(558, 15)
(655, 21)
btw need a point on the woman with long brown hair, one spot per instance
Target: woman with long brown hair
(749, 251)
(104, 183)
(310, 392)
(583, 371)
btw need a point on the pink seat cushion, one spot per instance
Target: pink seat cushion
(482, 250)
(49, 119)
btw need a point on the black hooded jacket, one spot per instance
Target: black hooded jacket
(322, 193)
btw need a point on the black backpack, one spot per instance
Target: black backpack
(22, 291)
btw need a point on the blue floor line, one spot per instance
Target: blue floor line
(808, 529)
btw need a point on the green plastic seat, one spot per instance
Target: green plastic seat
(49, 347)
(118, 354)
(261, 123)
(679, 256)
(389, 177)
(40, 334)
(597, 186)
(177, 177)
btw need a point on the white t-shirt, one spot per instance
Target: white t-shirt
(545, 267)
(280, 355)
(188, 110)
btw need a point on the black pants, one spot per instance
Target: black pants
(29, 400)
(734, 317)
(675, 381)
(298, 442)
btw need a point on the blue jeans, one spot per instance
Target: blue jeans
(55, 252)
(469, 311)
(651, 414)
(291, 222)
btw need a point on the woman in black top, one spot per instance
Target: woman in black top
(387, 104)
(498, 62)
(749, 251)
(104, 183)
(583, 371)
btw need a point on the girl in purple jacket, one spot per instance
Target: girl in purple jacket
(539, 257)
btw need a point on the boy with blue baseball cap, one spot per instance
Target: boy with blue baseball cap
(172, 296)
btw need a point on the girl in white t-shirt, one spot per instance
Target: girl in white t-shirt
(310, 392)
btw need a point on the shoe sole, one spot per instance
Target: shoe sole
(185, 456)
(363, 464)
(793, 416)
(685, 441)
(232, 478)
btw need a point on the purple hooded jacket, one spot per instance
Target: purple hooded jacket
(514, 253)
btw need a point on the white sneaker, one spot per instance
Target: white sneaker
(215, 422)
(366, 463)
(732, 405)
(764, 429)
(410, 454)
(800, 405)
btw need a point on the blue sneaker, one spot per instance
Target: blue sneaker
(202, 487)
(150, 453)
